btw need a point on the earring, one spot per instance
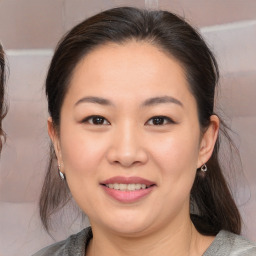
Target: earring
(204, 168)
(62, 175)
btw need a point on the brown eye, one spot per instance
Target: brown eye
(96, 120)
(159, 120)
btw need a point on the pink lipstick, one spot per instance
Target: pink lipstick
(127, 189)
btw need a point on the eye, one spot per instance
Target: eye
(96, 120)
(160, 120)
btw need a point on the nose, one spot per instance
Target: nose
(127, 147)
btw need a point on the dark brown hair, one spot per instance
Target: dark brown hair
(3, 107)
(210, 195)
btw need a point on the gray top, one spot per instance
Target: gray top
(224, 244)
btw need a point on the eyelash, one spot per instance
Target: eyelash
(90, 120)
(100, 120)
(164, 120)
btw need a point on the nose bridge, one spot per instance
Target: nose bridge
(126, 140)
(127, 148)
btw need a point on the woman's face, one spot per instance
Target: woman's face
(129, 141)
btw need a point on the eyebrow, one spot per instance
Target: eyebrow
(96, 100)
(160, 100)
(146, 103)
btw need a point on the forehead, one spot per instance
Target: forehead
(129, 69)
(130, 54)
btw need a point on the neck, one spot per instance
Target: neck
(180, 240)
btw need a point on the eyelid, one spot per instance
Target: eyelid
(88, 118)
(167, 120)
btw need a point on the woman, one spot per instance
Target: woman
(2, 105)
(131, 98)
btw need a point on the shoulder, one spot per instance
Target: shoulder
(229, 244)
(242, 246)
(54, 249)
(74, 245)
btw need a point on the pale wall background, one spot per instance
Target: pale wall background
(29, 31)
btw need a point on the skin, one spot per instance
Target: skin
(128, 143)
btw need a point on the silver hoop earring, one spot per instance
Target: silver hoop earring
(61, 174)
(204, 168)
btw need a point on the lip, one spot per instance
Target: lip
(128, 196)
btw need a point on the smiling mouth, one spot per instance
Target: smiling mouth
(127, 187)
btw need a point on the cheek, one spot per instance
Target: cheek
(82, 153)
(82, 158)
(176, 157)
(177, 149)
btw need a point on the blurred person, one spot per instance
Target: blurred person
(2, 92)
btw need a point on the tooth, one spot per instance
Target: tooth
(116, 186)
(123, 187)
(143, 186)
(131, 187)
(137, 186)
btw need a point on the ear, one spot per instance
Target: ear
(208, 141)
(55, 139)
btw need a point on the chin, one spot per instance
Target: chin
(129, 225)
(130, 230)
